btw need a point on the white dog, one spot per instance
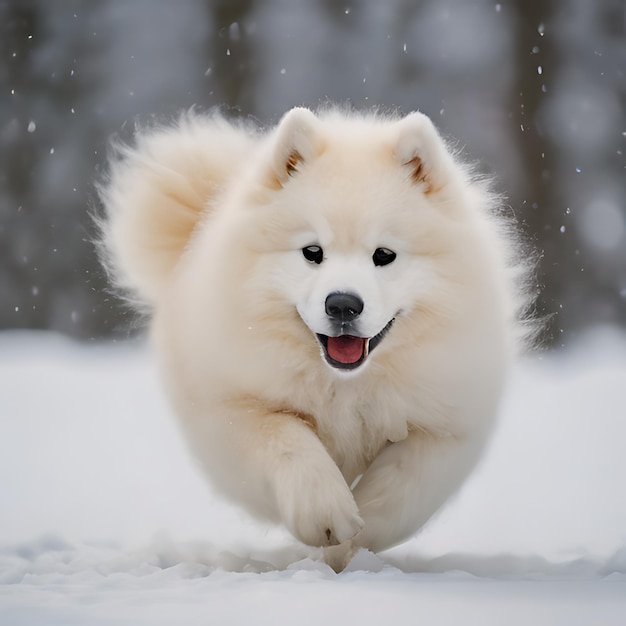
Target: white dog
(333, 309)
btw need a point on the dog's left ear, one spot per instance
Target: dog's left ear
(420, 149)
(297, 141)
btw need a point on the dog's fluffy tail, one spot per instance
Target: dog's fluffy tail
(156, 192)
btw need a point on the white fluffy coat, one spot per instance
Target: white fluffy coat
(205, 224)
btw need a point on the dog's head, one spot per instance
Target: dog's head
(357, 221)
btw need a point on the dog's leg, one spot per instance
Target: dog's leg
(276, 464)
(407, 483)
(339, 556)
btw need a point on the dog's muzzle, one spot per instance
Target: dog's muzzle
(345, 348)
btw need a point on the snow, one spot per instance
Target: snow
(104, 518)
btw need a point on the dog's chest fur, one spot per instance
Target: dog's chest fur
(354, 426)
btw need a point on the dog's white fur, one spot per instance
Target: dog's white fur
(205, 222)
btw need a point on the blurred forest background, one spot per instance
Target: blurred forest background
(535, 90)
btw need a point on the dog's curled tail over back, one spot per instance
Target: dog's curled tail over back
(156, 191)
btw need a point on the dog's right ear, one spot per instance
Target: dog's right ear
(297, 141)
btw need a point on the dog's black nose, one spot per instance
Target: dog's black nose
(343, 307)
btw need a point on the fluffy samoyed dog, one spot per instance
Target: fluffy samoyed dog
(334, 305)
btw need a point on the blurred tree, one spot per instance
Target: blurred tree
(535, 58)
(233, 62)
(18, 209)
(50, 275)
(565, 103)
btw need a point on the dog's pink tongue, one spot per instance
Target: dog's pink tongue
(346, 349)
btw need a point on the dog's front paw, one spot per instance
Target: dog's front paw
(340, 555)
(317, 506)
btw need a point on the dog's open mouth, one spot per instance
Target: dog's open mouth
(347, 352)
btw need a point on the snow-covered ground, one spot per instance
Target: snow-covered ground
(105, 520)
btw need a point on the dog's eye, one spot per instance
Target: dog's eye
(313, 254)
(383, 256)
